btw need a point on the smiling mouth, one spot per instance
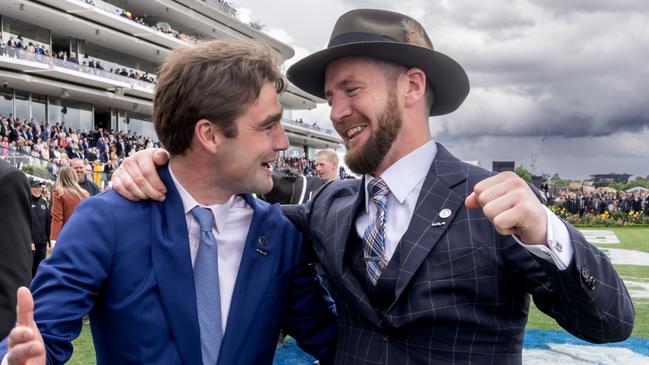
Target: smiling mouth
(353, 132)
(267, 165)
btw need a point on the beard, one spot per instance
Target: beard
(367, 158)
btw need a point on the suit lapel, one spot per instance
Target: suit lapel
(427, 225)
(340, 219)
(173, 271)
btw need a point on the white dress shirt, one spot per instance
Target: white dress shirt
(232, 220)
(405, 179)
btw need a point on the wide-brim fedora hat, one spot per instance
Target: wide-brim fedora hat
(388, 36)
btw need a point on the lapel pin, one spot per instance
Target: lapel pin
(262, 252)
(438, 224)
(263, 240)
(445, 213)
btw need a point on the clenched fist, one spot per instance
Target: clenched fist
(511, 206)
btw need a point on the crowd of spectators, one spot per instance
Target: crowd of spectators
(54, 145)
(160, 27)
(298, 165)
(313, 125)
(42, 51)
(600, 202)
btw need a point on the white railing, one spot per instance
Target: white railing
(21, 54)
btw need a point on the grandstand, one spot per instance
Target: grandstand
(91, 64)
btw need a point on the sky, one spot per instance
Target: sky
(559, 86)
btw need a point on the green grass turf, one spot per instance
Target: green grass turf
(84, 350)
(630, 238)
(538, 320)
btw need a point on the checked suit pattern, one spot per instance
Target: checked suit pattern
(462, 291)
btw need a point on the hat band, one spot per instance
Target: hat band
(354, 37)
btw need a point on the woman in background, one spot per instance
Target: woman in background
(66, 196)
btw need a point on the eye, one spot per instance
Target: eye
(352, 91)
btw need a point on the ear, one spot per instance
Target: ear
(415, 86)
(208, 136)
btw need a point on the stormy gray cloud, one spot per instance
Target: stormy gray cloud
(572, 74)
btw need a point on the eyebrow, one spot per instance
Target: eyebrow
(339, 85)
(271, 119)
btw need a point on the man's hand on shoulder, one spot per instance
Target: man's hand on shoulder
(511, 206)
(26, 346)
(137, 177)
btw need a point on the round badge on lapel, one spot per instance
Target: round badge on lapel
(263, 240)
(445, 213)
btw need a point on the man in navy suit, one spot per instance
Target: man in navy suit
(210, 275)
(431, 260)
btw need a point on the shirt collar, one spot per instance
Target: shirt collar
(220, 211)
(404, 175)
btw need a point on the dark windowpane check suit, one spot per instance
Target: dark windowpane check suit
(455, 291)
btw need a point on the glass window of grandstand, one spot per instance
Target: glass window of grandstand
(122, 121)
(295, 151)
(6, 102)
(38, 108)
(141, 124)
(54, 111)
(21, 104)
(78, 116)
(73, 114)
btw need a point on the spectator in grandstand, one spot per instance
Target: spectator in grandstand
(66, 196)
(82, 177)
(5, 146)
(128, 263)
(15, 251)
(97, 172)
(326, 164)
(41, 223)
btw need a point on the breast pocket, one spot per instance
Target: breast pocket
(455, 263)
(278, 284)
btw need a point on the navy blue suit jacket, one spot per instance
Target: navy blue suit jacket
(128, 265)
(457, 292)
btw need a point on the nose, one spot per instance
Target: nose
(281, 141)
(340, 108)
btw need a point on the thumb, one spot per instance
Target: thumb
(24, 307)
(160, 156)
(471, 201)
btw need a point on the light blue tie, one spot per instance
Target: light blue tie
(206, 282)
(374, 237)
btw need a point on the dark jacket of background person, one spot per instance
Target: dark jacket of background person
(41, 220)
(89, 186)
(15, 242)
(41, 225)
(63, 205)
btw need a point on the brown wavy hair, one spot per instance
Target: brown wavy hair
(214, 80)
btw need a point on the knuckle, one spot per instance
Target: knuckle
(139, 180)
(482, 199)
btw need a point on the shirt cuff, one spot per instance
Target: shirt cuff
(559, 249)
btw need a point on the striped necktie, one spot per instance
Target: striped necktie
(206, 282)
(374, 237)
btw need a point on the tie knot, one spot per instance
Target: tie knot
(378, 189)
(204, 217)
